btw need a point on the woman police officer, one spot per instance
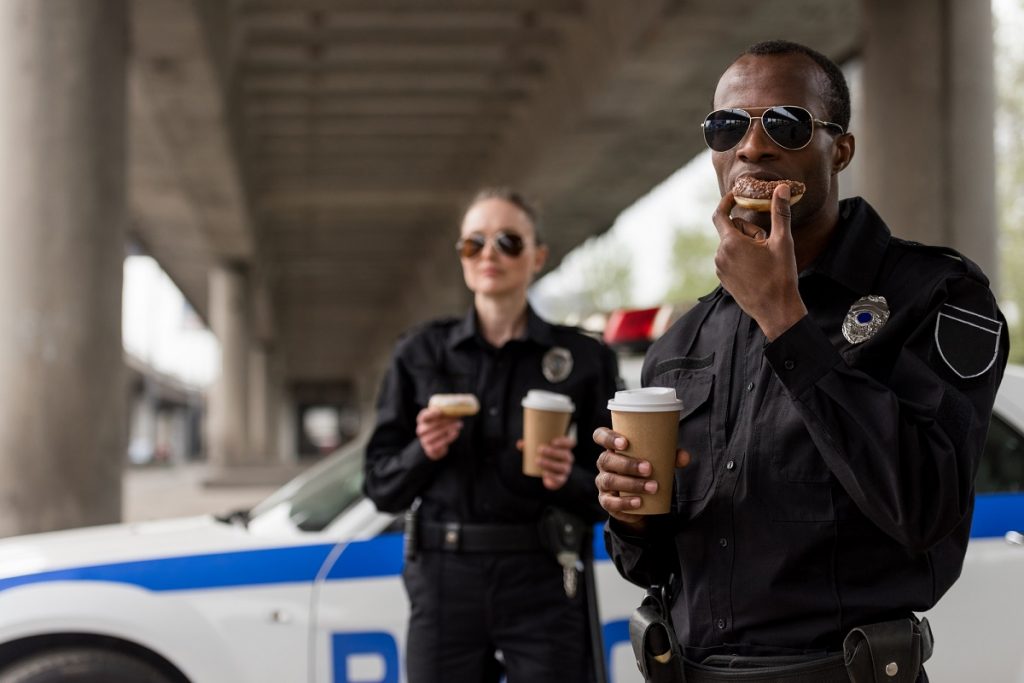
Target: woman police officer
(479, 578)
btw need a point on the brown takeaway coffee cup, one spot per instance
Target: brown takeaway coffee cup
(546, 415)
(649, 419)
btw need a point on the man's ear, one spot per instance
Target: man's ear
(842, 152)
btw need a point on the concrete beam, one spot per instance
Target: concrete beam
(320, 36)
(249, 7)
(178, 91)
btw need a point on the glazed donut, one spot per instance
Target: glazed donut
(756, 194)
(455, 405)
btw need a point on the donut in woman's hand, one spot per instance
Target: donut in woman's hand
(455, 405)
(756, 194)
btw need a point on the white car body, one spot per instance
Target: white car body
(217, 601)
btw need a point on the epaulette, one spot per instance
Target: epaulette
(973, 270)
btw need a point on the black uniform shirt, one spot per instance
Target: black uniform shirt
(831, 482)
(481, 479)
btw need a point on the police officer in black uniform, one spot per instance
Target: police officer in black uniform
(837, 389)
(480, 570)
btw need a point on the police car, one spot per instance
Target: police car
(303, 588)
(306, 588)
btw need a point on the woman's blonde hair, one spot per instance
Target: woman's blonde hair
(514, 197)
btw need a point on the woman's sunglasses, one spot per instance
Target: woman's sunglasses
(508, 243)
(788, 127)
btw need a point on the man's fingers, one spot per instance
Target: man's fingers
(623, 485)
(613, 441)
(721, 217)
(620, 507)
(781, 212)
(616, 463)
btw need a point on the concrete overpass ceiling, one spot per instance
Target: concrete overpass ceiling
(358, 127)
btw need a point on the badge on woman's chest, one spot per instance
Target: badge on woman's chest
(865, 318)
(556, 364)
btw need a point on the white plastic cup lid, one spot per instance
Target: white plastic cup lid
(646, 400)
(538, 399)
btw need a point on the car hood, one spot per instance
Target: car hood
(130, 543)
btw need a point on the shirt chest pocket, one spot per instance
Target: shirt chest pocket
(795, 483)
(693, 482)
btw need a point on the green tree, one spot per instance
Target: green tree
(1009, 74)
(595, 278)
(606, 275)
(693, 265)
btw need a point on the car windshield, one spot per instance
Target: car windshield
(314, 499)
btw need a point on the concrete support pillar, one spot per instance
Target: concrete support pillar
(264, 404)
(288, 428)
(63, 425)
(925, 150)
(228, 405)
(276, 403)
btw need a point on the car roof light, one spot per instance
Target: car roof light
(631, 326)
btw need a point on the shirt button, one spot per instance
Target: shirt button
(724, 542)
(720, 623)
(750, 387)
(730, 465)
(789, 365)
(493, 411)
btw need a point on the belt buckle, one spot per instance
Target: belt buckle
(452, 540)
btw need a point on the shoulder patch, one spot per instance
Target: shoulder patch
(968, 342)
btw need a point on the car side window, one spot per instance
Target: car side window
(1002, 462)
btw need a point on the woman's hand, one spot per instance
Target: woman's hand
(436, 432)
(556, 461)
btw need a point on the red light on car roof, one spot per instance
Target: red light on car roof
(631, 326)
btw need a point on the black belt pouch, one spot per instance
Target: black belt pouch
(888, 652)
(655, 646)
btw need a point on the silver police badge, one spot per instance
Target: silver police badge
(866, 317)
(556, 364)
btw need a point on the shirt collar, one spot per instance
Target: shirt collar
(538, 330)
(858, 245)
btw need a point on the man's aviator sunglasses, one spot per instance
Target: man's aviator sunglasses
(788, 127)
(508, 243)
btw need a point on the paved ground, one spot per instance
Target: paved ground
(175, 491)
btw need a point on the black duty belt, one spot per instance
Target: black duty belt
(888, 651)
(456, 537)
(831, 669)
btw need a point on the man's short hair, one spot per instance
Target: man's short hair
(837, 95)
(514, 197)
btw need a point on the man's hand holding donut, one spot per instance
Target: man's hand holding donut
(621, 478)
(760, 271)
